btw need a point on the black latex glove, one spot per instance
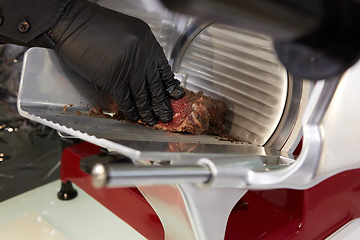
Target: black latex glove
(121, 54)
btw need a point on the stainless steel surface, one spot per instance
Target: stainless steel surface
(120, 175)
(296, 135)
(242, 69)
(290, 115)
(183, 42)
(189, 213)
(47, 85)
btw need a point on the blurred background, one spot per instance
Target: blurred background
(29, 152)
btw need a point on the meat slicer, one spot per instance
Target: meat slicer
(294, 175)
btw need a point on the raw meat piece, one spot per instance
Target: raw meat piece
(194, 113)
(197, 114)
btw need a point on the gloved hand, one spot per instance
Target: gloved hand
(121, 54)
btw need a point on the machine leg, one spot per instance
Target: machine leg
(67, 191)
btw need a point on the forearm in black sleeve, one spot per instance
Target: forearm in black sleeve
(25, 22)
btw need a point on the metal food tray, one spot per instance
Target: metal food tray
(48, 84)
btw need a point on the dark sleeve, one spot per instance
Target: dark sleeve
(24, 22)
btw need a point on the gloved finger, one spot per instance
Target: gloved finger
(142, 99)
(177, 93)
(160, 102)
(172, 85)
(125, 103)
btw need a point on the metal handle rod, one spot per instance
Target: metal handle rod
(130, 176)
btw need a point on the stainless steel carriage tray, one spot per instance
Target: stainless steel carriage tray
(48, 84)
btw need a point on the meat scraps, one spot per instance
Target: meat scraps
(96, 112)
(197, 114)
